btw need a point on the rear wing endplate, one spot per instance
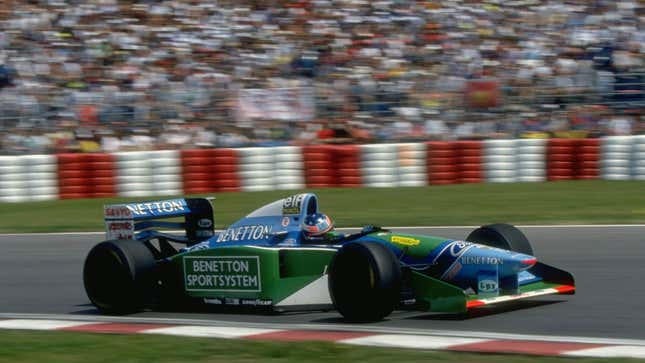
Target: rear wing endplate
(123, 221)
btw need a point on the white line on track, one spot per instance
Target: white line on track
(358, 228)
(333, 327)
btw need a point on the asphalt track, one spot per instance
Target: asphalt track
(42, 274)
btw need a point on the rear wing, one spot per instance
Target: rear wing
(134, 220)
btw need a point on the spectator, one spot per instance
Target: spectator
(391, 66)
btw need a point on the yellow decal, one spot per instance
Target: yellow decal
(408, 241)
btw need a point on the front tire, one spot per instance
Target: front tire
(500, 235)
(119, 276)
(365, 281)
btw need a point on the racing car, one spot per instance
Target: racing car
(266, 260)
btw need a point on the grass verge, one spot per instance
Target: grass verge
(595, 201)
(52, 347)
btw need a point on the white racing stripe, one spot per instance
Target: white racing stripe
(411, 341)
(29, 324)
(503, 298)
(626, 351)
(209, 331)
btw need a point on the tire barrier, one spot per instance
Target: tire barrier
(347, 161)
(148, 173)
(86, 176)
(569, 159)
(210, 170)
(500, 160)
(270, 168)
(411, 166)
(225, 170)
(198, 171)
(332, 166)
(469, 161)
(615, 156)
(561, 159)
(530, 160)
(320, 166)
(393, 165)
(378, 165)
(510, 161)
(441, 162)
(638, 158)
(28, 178)
(588, 159)
(172, 172)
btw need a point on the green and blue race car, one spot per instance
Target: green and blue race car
(266, 260)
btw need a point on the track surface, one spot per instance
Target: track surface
(42, 274)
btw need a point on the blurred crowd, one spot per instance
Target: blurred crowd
(111, 75)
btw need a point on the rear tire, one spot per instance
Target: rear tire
(119, 276)
(500, 235)
(365, 281)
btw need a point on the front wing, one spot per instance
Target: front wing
(440, 296)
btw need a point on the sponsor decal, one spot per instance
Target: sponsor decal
(292, 204)
(119, 229)
(481, 260)
(449, 251)
(406, 241)
(152, 209)
(487, 282)
(204, 223)
(245, 233)
(236, 301)
(115, 226)
(222, 273)
(445, 258)
(457, 248)
(285, 221)
(256, 302)
(117, 212)
(487, 286)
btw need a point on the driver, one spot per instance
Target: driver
(317, 228)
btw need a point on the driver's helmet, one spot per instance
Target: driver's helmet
(316, 225)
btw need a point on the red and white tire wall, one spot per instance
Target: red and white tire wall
(177, 172)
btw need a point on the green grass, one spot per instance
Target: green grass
(465, 204)
(51, 347)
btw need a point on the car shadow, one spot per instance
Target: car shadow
(471, 314)
(484, 311)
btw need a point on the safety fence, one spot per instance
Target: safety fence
(175, 172)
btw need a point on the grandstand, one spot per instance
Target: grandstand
(114, 75)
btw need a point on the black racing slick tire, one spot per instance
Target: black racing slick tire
(500, 235)
(365, 281)
(119, 276)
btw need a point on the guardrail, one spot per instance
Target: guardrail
(174, 172)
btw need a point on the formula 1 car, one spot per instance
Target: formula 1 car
(263, 261)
